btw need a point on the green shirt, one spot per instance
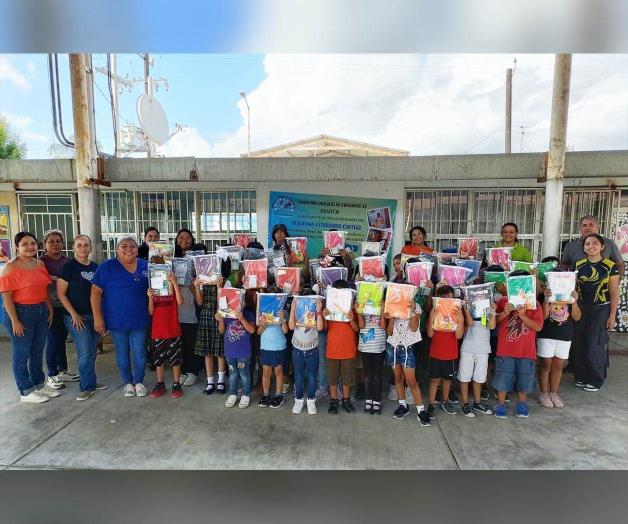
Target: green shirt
(519, 252)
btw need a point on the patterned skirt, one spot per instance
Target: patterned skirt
(209, 342)
(166, 351)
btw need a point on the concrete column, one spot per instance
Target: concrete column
(553, 205)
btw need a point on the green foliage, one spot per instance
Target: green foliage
(11, 148)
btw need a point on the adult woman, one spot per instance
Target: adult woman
(24, 285)
(56, 354)
(119, 305)
(151, 234)
(74, 289)
(192, 363)
(598, 283)
(417, 242)
(509, 234)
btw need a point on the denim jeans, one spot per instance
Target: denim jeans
(322, 361)
(56, 356)
(239, 367)
(305, 365)
(133, 341)
(28, 350)
(85, 342)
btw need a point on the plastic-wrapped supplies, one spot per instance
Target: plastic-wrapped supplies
(207, 268)
(446, 313)
(255, 273)
(335, 241)
(242, 239)
(183, 269)
(233, 253)
(399, 300)
(370, 247)
(158, 278)
(562, 284)
(270, 306)
(522, 291)
(419, 273)
(479, 299)
(305, 310)
(369, 297)
(473, 265)
(517, 265)
(230, 301)
(339, 303)
(498, 256)
(372, 268)
(160, 252)
(468, 248)
(298, 247)
(496, 277)
(455, 276)
(288, 279)
(329, 275)
(543, 268)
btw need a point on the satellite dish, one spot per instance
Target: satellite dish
(153, 119)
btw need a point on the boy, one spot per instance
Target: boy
(515, 363)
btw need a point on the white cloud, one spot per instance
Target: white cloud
(430, 104)
(21, 125)
(187, 142)
(10, 74)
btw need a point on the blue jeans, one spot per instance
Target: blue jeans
(56, 356)
(133, 340)
(322, 361)
(28, 350)
(239, 367)
(514, 374)
(305, 364)
(85, 342)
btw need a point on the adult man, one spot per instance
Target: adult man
(574, 250)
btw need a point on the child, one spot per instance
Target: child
(273, 345)
(305, 357)
(372, 347)
(403, 335)
(398, 276)
(553, 343)
(473, 365)
(237, 340)
(441, 368)
(166, 337)
(515, 362)
(341, 353)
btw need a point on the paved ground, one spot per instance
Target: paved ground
(198, 432)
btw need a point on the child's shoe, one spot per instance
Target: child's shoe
(264, 402)
(140, 390)
(545, 401)
(500, 411)
(401, 412)
(221, 388)
(481, 407)
(448, 408)
(453, 398)
(347, 406)
(368, 407)
(333, 406)
(177, 391)
(423, 418)
(276, 402)
(244, 402)
(158, 390)
(298, 406)
(556, 400)
(467, 411)
(431, 411)
(231, 401)
(377, 409)
(523, 411)
(311, 406)
(209, 388)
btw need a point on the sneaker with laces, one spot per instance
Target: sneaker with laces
(579, 384)
(49, 392)
(298, 406)
(231, 401)
(545, 401)
(500, 411)
(392, 394)
(84, 395)
(311, 406)
(557, 401)
(158, 391)
(34, 398)
(285, 388)
(347, 407)
(481, 407)
(401, 412)
(333, 406)
(129, 390)
(101, 387)
(69, 376)
(276, 402)
(244, 402)
(467, 411)
(320, 393)
(448, 408)
(590, 387)
(177, 390)
(190, 380)
(523, 411)
(431, 411)
(264, 402)
(140, 390)
(453, 397)
(423, 418)
(55, 382)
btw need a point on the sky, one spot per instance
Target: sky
(426, 104)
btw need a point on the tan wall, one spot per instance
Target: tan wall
(9, 198)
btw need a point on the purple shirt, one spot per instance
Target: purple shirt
(55, 268)
(238, 339)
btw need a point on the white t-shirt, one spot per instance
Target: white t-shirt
(477, 339)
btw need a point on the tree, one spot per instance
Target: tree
(11, 147)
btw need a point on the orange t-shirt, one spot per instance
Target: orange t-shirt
(341, 341)
(415, 251)
(29, 286)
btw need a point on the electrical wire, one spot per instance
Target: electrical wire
(57, 118)
(113, 108)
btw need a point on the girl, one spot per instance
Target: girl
(598, 286)
(417, 242)
(56, 355)
(73, 289)
(305, 357)
(553, 343)
(166, 337)
(237, 334)
(24, 285)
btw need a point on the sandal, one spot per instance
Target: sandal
(209, 389)
(220, 388)
(376, 409)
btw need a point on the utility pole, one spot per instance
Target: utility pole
(85, 163)
(113, 61)
(508, 127)
(553, 206)
(248, 123)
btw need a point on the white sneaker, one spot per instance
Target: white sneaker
(392, 394)
(69, 376)
(34, 398)
(190, 379)
(311, 406)
(47, 391)
(140, 390)
(409, 397)
(129, 390)
(84, 395)
(55, 382)
(298, 406)
(231, 401)
(244, 402)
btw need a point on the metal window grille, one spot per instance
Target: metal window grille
(168, 211)
(40, 213)
(117, 218)
(226, 212)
